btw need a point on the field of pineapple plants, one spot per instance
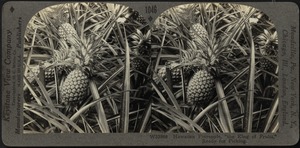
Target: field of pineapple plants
(102, 68)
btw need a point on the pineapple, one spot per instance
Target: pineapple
(68, 33)
(66, 30)
(49, 71)
(201, 59)
(139, 65)
(49, 74)
(75, 86)
(136, 16)
(268, 46)
(142, 48)
(200, 86)
(267, 65)
(198, 33)
(175, 72)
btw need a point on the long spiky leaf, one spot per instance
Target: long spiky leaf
(250, 86)
(126, 95)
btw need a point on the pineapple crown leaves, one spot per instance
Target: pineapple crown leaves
(139, 39)
(186, 11)
(267, 39)
(216, 46)
(83, 55)
(192, 57)
(204, 53)
(62, 56)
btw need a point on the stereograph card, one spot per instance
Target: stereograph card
(142, 73)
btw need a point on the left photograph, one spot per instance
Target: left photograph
(86, 70)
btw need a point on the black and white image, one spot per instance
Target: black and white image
(102, 68)
(217, 70)
(84, 69)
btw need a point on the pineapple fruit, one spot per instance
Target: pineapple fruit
(268, 45)
(139, 64)
(141, 48)
(175, 72)
(136, 16)
(200, 86)
(68, 33)
(49, 74)
(198, 33)
(267, 65)
(75, 86)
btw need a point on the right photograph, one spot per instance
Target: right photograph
(215, 70)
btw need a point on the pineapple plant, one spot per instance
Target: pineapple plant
(201, 83)
(268, 46)
(58, 64)
(200, 86)
(222, 67)
(201, 61)
(77, 78)
(66, 31)
(141, 49)
(75, 86)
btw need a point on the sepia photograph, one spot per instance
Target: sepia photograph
(85, 68)
(216, 70)
(103, 68)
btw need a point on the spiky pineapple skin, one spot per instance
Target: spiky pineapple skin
(136, 16)
(75, 86)
(144, 51)
(49, 74)
(200, 86)
(139, 65)
(197, 31)
(66, 30)
(175, 72)
(267, 65)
